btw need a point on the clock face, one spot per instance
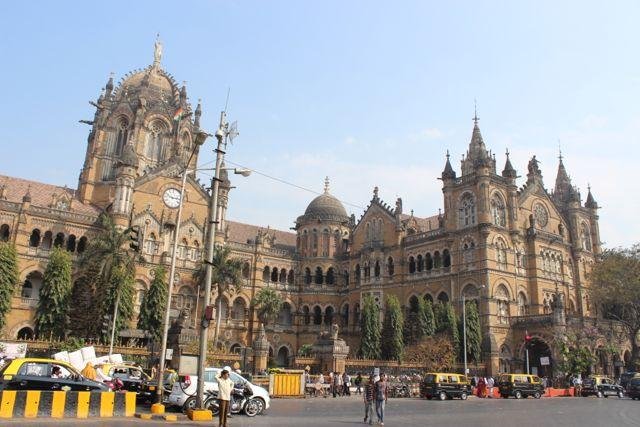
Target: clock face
(541, 215)
(171, 198)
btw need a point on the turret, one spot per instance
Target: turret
(509, 171)
(478, 159)
(448, 173)
(591, 202)
(127, 166)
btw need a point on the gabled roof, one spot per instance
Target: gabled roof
(243, 233)
(43, 194)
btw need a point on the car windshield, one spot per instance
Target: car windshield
(429, 378)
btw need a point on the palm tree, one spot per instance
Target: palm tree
(108, 261)
(268, 303)
(226, 272)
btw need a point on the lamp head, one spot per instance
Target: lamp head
(201, 137)
(242, 171)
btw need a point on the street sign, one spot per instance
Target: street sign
(544, 361)
(376, 372)
(169, 354)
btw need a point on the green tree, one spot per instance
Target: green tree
(370, 329)
(121, 291)
(427, 323)
(392, 343)
(268, 303)
(82, 321)
(8, 278)
(226, 272)
(154, 304)
(55, 296)
(446, 323)
(474, 332)
(615, 285)
(439, 316)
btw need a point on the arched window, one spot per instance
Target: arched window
(304, 244)
(497, 210)
(420, 263)
(330, 276)
(502, 299)
(367, 271)
(437, 260)
(307, 276)
(283, 275)
(274, 274)
(238, 309)
(428, 298)
(186, 145)
(59, 241)
(47, 241)
(27, 289)
(390, 267)
(34, 239)
(523, 310)
(82, 245)
(501, 254)
(505, 360)
(71, 243)
(152, 245)
(25, 333)
(183, 249)
(325, 243)
(428, 262)
(156, 150)
(413, 304)
(318, 277)
(284, 318)
(306, 316)
(412, 265)
(32, 284)
(358, 274)
(317, 315)
(467, 211)
(122, 134)
(224, 309)
(345, 315)
(376, 269)
(345, 274)
(328, 315)
(446, 258)
(585, 237)
(196, 252)
(443, 297)
(235, 349)
(290, 277)
(314, 243)
(5, 233)
(266, 273)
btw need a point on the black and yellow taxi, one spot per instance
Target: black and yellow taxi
(601, 386)
(444, 386)
(520, 385)
(45, 374)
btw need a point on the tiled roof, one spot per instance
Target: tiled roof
(242, 233)
(425, 224)
(42, 194)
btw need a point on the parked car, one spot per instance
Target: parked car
(633, 388)
(520, 385)
(445, 386)
(45, 374)
(626, 377)
(183, 393)
(133, 378)
(601, 386)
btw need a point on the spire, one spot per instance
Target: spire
(509, 171)
(326, 185)
(477, 154)
(448, 172)
(197, 114)
(591, 202)
(563, 182)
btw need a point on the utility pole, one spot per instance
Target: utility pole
(464, 332)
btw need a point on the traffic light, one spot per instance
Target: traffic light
(135, 234)
(105, 325)
(527, 340)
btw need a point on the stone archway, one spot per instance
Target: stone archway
(282, 358)
(25, 333)
(540, 358)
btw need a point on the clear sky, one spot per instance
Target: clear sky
(366, 92)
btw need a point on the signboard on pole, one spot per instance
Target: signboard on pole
(169, 354)
(544, 361)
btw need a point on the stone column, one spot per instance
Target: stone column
(331, 351)
(260, 351)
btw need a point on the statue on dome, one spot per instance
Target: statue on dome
(157, 51)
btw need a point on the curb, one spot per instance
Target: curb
(161, 417)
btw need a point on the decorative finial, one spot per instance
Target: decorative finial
(375, 192)
(447, 154)
(559, 151)
(589, 187)
(475, 112)
(411, 212)
(507, 153)
(157, 51)
(326, 185)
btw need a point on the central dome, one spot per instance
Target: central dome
(326, 207)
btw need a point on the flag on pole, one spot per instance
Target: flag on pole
(178, 114)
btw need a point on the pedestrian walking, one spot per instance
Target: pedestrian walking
(369, 391)
(346, 384)
(482, 387)
(577, 386)
(337, 384)
(490, 384)
(358, 383)
(381, 392)
(225, 387)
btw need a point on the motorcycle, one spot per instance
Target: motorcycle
(241, 401)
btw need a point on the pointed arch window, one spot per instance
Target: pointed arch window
(376, 269)
(34, 239)
(330, 279)
(420, 263)
(82, 244)
(501, 254)
(152, 245)
(266, 273)
(358, 274)
(274, 274)
(5, 233)
(523, 309)
(318, 276)
(502, 299)
(390, 266)
(307, 276)
(498, 212)
(325, 243)
(156, 142)
(122, 134)
(467, 211)
(585, 237)
(412, 265)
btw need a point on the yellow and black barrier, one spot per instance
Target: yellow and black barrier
(66, 404)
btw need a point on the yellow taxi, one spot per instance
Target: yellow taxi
(30, 373)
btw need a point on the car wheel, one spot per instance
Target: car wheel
(190, 403)
(517, 394)
(620, 394)
(463, 396)
(599, 394)
(442, 395)
(536, 395)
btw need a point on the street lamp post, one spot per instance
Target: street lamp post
(464, 330)
(199, 140)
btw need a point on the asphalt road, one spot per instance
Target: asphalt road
(565, 412)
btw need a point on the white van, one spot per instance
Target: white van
(183, 393)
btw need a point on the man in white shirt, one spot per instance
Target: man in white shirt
(225, 387)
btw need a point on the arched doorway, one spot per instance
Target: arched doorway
(25, 333)
(282, 360)
(540, 360)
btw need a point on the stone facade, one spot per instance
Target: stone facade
(513, 249)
